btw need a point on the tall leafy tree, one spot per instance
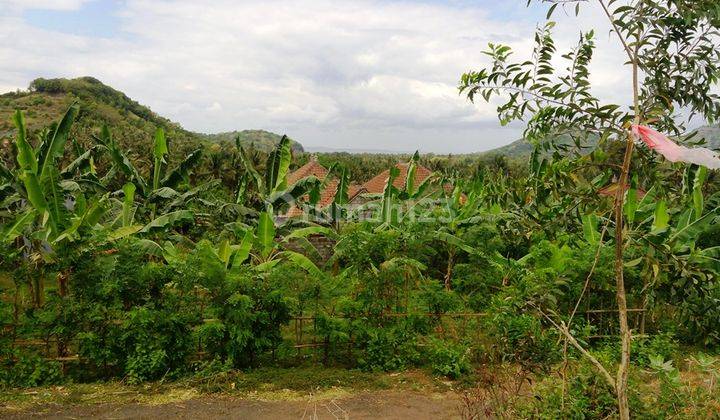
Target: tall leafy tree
(673, 64)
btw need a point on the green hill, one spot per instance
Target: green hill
(131, 123)
(518, 148)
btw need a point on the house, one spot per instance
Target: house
(377, 184)
(327, 194)
(357, 194)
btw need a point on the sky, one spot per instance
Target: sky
(348, 75)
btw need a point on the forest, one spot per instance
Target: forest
(581, 281)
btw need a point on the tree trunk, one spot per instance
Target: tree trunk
(620, 295)
(621, 386)
(448, 273)
(62, 280)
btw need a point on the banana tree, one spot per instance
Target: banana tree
(409, 193)
(265, 252)
(271, 190)
(259, 247)
(47, 211)
(164, 193)
(459, 212)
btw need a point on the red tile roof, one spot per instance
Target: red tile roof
(355, 189)
(312, 168)
(373, 186)
(377, 184)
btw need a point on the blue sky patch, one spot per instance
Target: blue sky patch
(98, 18)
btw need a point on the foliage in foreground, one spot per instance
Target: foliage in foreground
(153, 272)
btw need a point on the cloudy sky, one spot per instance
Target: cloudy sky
(331, 73)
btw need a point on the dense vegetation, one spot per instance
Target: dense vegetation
(164, 268)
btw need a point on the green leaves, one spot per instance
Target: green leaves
(56, 146)
(388, 213)
(310, 231)
(28, 166)
(697, 194)
(661, 217)
(278, 164)
(280, 199)
(590, 229)
(180, 173)
(631, 201)
(128, 204)
(266, 234)
(341, 193)
(250, 168)
(120, 160)
(685, 235)
(123, 232)
(411, 172)
(168, 220)
(160, 150)
(16, 228)
(455, 241)
(242, 251)
(302, 261)
(25, 153)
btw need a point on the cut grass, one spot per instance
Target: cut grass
(268, 384)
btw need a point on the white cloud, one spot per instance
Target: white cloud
(16, 5)
(311, 68)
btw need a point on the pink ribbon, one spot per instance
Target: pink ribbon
(673, 151)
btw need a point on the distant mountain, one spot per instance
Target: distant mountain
(325, 149)
(518, 148)
(711, 134)
(260, 139)
(131, 123)
(521, 148)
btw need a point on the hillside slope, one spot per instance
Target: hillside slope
(131, 123)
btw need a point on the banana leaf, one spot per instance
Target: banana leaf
(120, 160)
(128, 204)
(181, 172)
(302, 261)
(278, 164)
(266, 234)
(56, 146)
(242, 251)
(169, 220)
(16, 229)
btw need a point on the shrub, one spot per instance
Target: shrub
(448, 359)
(156, 343)
(388, 349)
(662, 345)
(28, 370)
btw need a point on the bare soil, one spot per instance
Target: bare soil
(391, 404)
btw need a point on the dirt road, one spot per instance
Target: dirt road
(363, 405)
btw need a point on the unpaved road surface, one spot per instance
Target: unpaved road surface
(364, 405)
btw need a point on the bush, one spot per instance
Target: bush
(448, 359)
(388, 349)
(663, 345)
(29, 370)
(156, 343)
